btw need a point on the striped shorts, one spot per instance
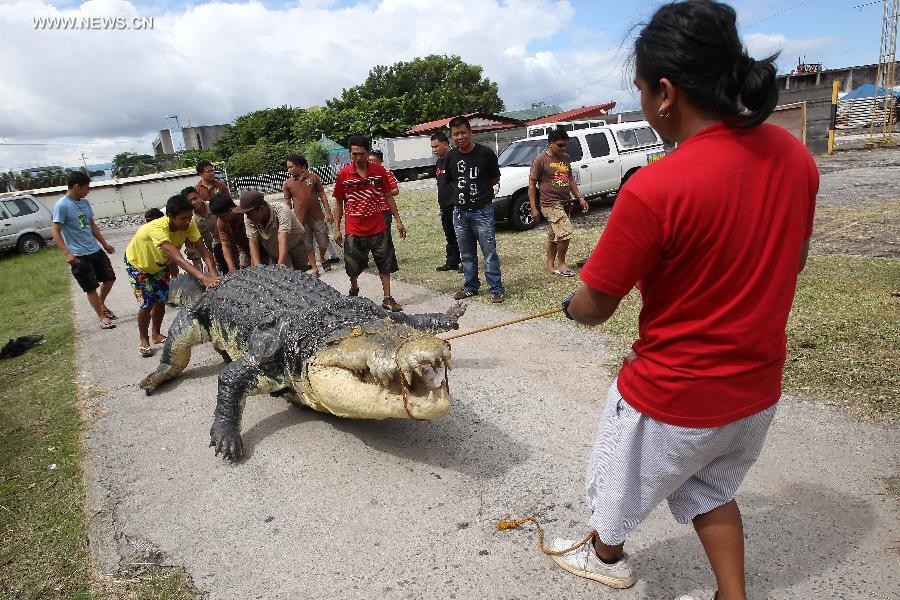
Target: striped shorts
(638, 461)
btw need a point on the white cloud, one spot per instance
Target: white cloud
(212, 62)
(760, 45)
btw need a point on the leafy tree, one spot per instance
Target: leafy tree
(143, 169)
(260, 158)
(372, 118)
(129, 164)
(268, 126)
(187, 159)
(390, 101)
(7, 182)
(315, 154)
(315, 122)
(423, 89)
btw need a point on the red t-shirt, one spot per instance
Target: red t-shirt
(363, 198)
(712, 236)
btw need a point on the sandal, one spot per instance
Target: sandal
(107, 325)
(146, 351)
(391, 305)
(564, 273)
(162, 341)
(109, 314)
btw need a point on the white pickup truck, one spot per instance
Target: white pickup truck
(602, 159)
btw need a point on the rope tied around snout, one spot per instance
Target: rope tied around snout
(404, 385)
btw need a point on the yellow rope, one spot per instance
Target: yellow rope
(504, 324)
(504, 525)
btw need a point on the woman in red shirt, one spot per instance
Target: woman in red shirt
(714, 236)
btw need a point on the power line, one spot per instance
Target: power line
(778, 14)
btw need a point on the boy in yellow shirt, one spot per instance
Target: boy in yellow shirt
(153, 257)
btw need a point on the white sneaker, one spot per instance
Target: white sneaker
(583, 562)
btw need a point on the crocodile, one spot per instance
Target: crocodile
(184, 289)
(287, 333)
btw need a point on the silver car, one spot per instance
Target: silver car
(25, 223)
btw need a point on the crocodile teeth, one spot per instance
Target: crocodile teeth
(407, 374)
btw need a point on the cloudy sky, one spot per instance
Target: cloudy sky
(64, 93)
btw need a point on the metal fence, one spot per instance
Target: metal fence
(862, 112)
(269, 183)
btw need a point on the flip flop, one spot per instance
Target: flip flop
(564, 273)
(162, 341)
(109, 314)
(146, 351)
(107, 325)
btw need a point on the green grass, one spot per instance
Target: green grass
(43, 544)
(842, 335)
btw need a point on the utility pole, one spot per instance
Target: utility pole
(885, 79)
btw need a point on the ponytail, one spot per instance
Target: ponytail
(759, 92)
(696, 46)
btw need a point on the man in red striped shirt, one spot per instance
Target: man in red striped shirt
(362, 192)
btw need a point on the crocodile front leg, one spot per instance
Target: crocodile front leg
(184, 333)
(249, 376)
(432, 322)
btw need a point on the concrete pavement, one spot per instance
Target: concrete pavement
(323, 507)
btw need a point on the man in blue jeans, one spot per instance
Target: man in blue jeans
(474, 171)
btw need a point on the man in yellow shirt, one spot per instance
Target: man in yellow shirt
(154, 255)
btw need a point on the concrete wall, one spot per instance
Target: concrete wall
(207, 134)
(163, 143)
(818, 113)
(850, 78)
(133, 195)
(792, 117)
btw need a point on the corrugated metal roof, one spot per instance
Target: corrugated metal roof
(500, 122)
(575, 114)
(535, 112)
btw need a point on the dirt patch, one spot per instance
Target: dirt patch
(872, 230)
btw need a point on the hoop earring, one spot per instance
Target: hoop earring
(662, 114)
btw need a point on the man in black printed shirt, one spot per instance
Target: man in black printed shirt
(474, 171)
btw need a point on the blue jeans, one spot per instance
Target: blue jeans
(473, 226)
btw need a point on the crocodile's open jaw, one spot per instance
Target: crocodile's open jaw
(346, 393)
(393, 372)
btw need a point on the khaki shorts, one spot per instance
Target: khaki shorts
(318, 231)
(560, 228)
